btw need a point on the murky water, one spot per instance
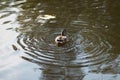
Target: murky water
(28, 50)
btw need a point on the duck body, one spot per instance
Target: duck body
(61, 39)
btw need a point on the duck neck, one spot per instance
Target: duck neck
(63, 32)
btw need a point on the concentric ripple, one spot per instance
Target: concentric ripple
(41, 48)
(85, 48)
(92, 48)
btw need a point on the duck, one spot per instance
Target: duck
(61, 39)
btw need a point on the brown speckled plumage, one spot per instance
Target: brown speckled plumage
(61, 39)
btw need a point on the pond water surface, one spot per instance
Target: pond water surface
(28, 50)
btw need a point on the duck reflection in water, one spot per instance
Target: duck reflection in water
(61, 39)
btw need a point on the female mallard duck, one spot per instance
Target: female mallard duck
(61, 39)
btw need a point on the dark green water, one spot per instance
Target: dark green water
(28, 50)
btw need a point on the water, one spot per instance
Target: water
(28, 50)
